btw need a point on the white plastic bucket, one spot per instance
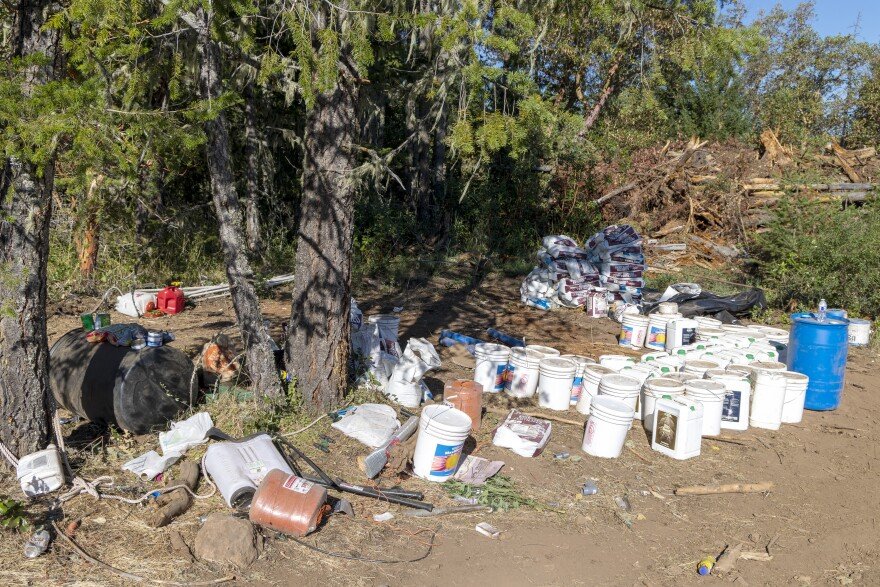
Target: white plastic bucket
(859, 331)
(700, 366)
(743, 370)
(656, 337)
(522, 375)
(633, 331)
(609, 422)
(491, 366)
(667, 308)
(621, 387)
(767, 366)
(795, 394)
(766, 348)
(680, 332)
(654, 389)
(669, 364)
(592, 375)
(385, 328)
(554, 385)
(711, 394)
(707, 333)
(578, 384)
(731, 327)
(682, 377)
(753, 355)
(616, 362)
(768, 400)
(735, 341)
(753, 334)
(737, 398)
(442, 432)
(706, 322)
(648, 357)
(777, 335)
(545, 351)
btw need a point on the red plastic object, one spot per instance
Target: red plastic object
(170, 300)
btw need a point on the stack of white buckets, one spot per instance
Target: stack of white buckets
(710, 376)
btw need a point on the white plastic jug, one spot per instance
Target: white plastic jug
(40, 472)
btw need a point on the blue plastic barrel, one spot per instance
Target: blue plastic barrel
(818, 350)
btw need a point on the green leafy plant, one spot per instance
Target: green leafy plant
(499, 492)
(12, 514)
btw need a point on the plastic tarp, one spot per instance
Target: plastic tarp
(705, 303)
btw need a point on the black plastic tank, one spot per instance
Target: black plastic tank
(139, 391)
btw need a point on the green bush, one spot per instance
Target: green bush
(817, 250)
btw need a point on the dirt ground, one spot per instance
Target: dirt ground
(818, 523)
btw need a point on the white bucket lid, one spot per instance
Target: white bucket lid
(615, 383)
(597, 371)
(660, 386)
(795, 377)
(615, 359)
(705, 388)
(526, 358)
(768, 366)
(732, 327)
(683, 377)
(707, 321)
(557, 366)
(544, 350)
(653, 356)
(578, 360)
(445, 418)
(721, 375)
(701, 364)
(490, 350)
(614, 408)
(709, 332)
(859, 321)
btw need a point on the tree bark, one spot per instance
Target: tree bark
(318, 346)
(254, 334)
(420, 180)
(90, 235)
(607, 89)
(252, 155)
(25, 214)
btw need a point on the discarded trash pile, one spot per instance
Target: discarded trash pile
(609, 267)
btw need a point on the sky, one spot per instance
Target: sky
(833, 16)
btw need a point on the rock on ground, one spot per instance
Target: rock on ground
(227, 540)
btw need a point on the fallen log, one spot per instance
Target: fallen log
(819, 187)
(722, 250)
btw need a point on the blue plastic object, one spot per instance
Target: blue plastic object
(505, 338)
(818, 350)
(459, 337)
(838, 313)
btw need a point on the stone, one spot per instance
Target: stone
(228, 541)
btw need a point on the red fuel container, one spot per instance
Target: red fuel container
(170, 300)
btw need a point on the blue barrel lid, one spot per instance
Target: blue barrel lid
(813, 320)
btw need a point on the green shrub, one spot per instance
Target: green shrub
(817, 250)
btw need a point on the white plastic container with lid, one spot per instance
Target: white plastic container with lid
(795, 394)
(700, 366)
(711, 394)
(767, 366)
(707, 322)
(656, 336)
(654, 389)
(545, 351)
(777, 335)
(678, 426)
(680, 332)
(765, 347)
(554, 385)
(578, 383)
(737, 398)
(521, 379)
(607, 427)
(735, 341)
(616, 362)
(633, 330)
(621, 387)
(592, 375)
(670, 364)
(707, 333)
(768, 400)
(40, 472)
(442, 433)
(491, 365)
(859, 332)
(732, 357)
(754, 335)
(647, 357)
(682, 377)
(752, 355)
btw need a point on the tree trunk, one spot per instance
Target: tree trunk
(90, 234)
(254, 334)
(252, 155)
(318, 346)
(608, 87)
(25, 214)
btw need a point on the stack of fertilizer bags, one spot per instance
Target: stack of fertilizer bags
(563, 277)
(617, 252)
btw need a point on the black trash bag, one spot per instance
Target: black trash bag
(724, 308)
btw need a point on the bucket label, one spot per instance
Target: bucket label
(445, 460)
(656, 337)
(730, 409)
(626, 335)
(577, 387)
(508, 377)
(298, 484)
(666, 429)
(591, 430)
(500, 377)
(688, 336)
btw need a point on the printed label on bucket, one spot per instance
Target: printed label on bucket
(591, 430)
(656, 337)
(688, 336)
(500, 377)
(626, 336)
(577, 387)
(508, 377)
(730, 410)
(298, 484)
(446, 458)
(667, 429)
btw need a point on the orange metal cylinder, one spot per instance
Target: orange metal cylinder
(467, 396)
(288, 504)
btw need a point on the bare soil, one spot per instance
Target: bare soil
(818, 523)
